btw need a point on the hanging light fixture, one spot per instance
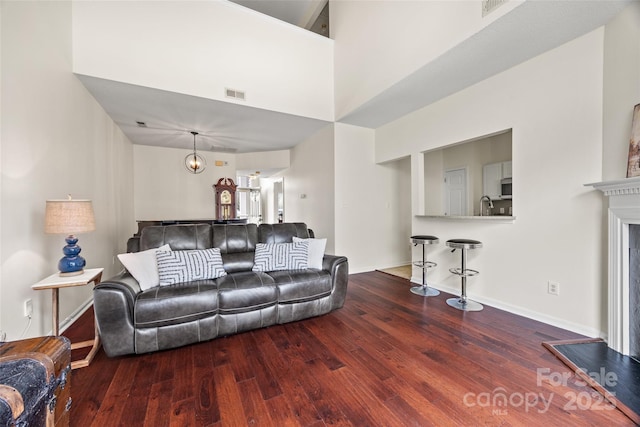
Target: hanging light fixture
(194, 162)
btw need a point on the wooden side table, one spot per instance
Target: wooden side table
(55, 282)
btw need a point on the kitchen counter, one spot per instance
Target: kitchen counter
(489, 218)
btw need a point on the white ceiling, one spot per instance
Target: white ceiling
(222, 126)
(528, 30)
(302, 13)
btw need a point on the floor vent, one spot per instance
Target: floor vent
(236, 94)
(489, 6)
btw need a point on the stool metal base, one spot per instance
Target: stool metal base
(464, 304)
(425, 291)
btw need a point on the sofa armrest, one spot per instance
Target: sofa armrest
(113, 303)
(338, 267)
(133, 244)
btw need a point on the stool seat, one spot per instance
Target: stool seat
(464, 244)
(424, 240)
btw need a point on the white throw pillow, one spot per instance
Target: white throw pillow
(281, 256)
(186, 266)
(316, 251)
(143, 266)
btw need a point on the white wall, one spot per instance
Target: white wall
(312, 174)
(55, 140)
(372, 212)
(265, 162)
(554, 104)
(622, 88)
(164, 189)
(394, 39)
(202, 47)
(268, 201)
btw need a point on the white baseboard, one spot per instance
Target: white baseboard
(369, 268)
(521, 311)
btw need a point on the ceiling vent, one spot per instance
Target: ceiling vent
(489, 6)
(235, 94)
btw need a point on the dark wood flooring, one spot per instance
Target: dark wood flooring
(387, 358)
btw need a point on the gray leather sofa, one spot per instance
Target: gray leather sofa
(130, 320)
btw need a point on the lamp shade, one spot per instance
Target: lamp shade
(68, 216)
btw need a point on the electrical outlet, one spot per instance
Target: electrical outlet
(28, 308)
(553, 288)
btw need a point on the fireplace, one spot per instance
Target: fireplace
(624, 264)
(634, 290)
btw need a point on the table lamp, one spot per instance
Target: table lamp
(68, 217)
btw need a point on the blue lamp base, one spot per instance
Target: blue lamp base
(72, 264)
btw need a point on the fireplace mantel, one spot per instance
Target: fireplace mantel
(620, 187)
(624, 209)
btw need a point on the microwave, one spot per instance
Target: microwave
(505, 188)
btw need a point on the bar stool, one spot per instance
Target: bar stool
(463, 303)
(424, 290)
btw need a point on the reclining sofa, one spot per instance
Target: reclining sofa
(131, 320)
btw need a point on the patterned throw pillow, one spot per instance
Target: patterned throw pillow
(185, 266)
(281, 256)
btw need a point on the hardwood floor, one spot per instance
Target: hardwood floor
(403, 271)
(387, 358)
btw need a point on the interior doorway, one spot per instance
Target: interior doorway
(278, 198)
(455, 192)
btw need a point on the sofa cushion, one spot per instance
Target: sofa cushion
(246, 291)
(174, 304)
(282, 233)
(143, 266)
(237, 244)
(235, 238)
(185, 266)
(180, 237)
(281, 256)
(301, 285)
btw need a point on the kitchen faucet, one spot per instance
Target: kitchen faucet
(482, 199)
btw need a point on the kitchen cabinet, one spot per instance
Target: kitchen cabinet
(492, 174)
(506, 169)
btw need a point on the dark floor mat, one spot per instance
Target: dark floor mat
(611, 371)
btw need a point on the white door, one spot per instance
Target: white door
(455, 193)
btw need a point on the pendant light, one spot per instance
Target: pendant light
(194, 162)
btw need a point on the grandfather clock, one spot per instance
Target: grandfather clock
(225, 199)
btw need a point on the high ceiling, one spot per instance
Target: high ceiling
(529, 30)
(532, 28)
(222, 126)
(302, 13)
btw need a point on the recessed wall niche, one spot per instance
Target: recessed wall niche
(458, 175)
